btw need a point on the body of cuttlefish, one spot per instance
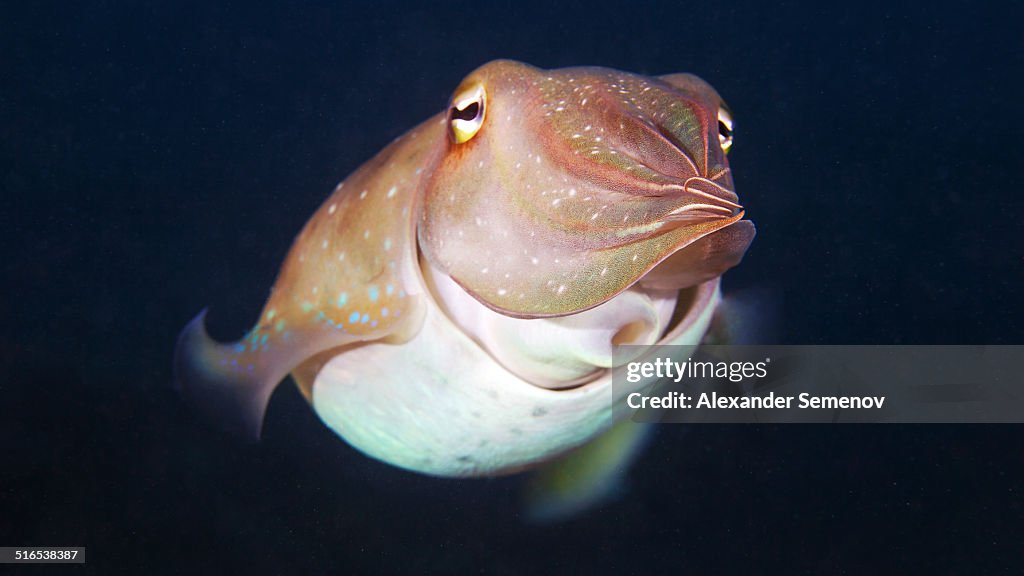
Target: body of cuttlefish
(452, 307)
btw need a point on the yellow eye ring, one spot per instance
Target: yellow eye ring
(466, 113)
(724, 128)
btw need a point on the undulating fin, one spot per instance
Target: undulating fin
(232, 383)
(348, 278)
(587, 477)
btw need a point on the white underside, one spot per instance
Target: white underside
(446, 402)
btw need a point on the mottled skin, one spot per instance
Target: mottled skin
(579, 182)
(351, 276)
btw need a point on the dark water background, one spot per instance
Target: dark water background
(158, 157)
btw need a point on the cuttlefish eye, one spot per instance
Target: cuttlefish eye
(466, 113)
(724, 128)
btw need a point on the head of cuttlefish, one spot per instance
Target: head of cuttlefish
(451, 308)
(562, 212)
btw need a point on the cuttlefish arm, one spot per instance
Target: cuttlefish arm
(348, 278)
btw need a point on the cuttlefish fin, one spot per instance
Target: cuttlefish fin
(703, 260)
(587, 477)
(231, 383)
(221, 380)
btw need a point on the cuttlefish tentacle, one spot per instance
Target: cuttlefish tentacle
(347, 279)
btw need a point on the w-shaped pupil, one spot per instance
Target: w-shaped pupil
(469, 113)
(724, 130)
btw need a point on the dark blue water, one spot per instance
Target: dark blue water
(159, 157)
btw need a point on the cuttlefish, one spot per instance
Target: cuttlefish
(451, 308)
